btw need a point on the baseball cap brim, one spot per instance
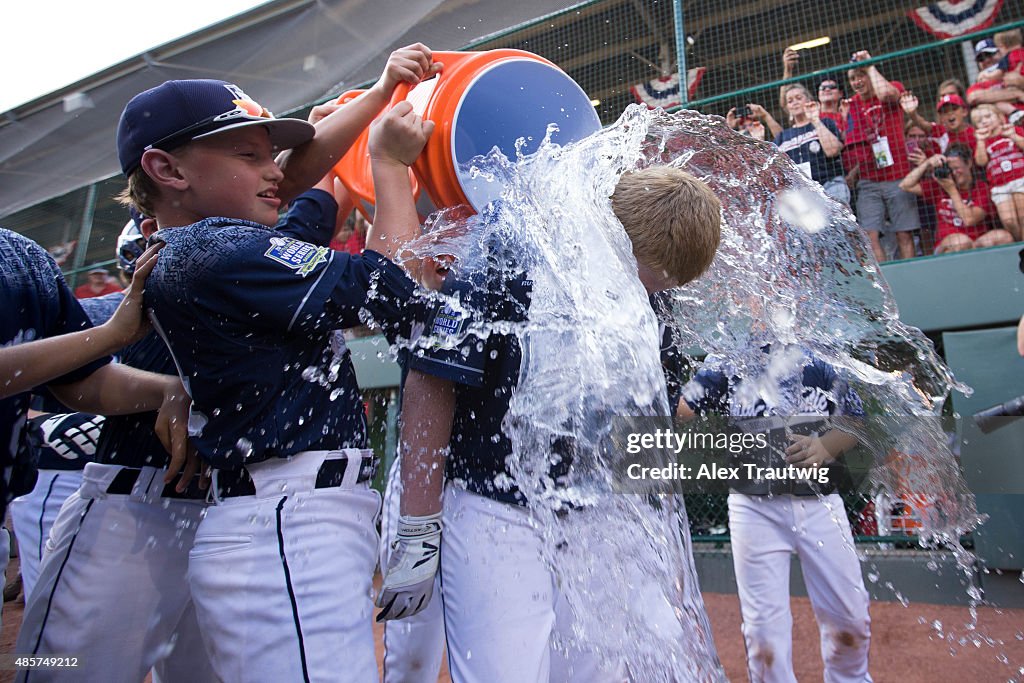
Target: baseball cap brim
(284, 133)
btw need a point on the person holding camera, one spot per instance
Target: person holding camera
(830, 91)
(962, 205)
(875, 143)
(813, 143)
(752, 120)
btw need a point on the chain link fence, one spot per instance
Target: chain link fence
(627, 51)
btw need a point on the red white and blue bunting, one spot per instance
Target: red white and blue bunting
(950, 18)
(664, 92)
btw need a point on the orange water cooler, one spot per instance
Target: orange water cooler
(479, 101)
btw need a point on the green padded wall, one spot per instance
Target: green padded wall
(373, 363)
(959, 291)
(987, 360)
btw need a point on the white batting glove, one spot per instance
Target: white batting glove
(409, 580)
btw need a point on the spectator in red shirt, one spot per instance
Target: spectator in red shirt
(1001, 151)
(952, 127)
(919, 148)
(875, 143)
(98, 283)
(962, 206)
(919, 145)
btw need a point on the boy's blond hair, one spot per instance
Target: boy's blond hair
(1009, 40)
(140, 193)
(672, 218)
(986, 107)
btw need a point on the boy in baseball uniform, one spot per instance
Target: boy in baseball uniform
(500, 600)
(282, 561)
(771, 519)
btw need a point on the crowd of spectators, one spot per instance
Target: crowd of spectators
(917, 186)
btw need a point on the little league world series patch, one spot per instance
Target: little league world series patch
(302, 257)
(448, 322)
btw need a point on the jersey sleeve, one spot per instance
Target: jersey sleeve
(707, 393)
(311, 217)
(293, 286)
(66, 316)
(850, 403)
(374, 287)
(448, 348)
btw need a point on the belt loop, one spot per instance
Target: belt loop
(213, 495)
(156, 481)
(354, 463)
(140, 489)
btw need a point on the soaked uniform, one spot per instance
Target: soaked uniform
(499, 597)
(36, 304)
(770, 520)
(122, 527)
(282, 564)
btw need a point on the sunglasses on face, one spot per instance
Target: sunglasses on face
(828, 86)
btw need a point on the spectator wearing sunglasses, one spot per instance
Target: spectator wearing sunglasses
(830, 96)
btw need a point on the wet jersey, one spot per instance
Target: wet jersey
(101, 308)
(814, 390)
(35, 303)
(485, 369)
(249, 314)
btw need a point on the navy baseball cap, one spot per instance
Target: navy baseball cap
(177, 112)
(985, 46)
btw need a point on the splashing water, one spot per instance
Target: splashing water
(793, 268)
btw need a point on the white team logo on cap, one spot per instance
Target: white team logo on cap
(245, 106)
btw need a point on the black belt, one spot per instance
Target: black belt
(233, 483)
(124, 483)
(775, 456)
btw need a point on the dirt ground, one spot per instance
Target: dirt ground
(904, 646)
